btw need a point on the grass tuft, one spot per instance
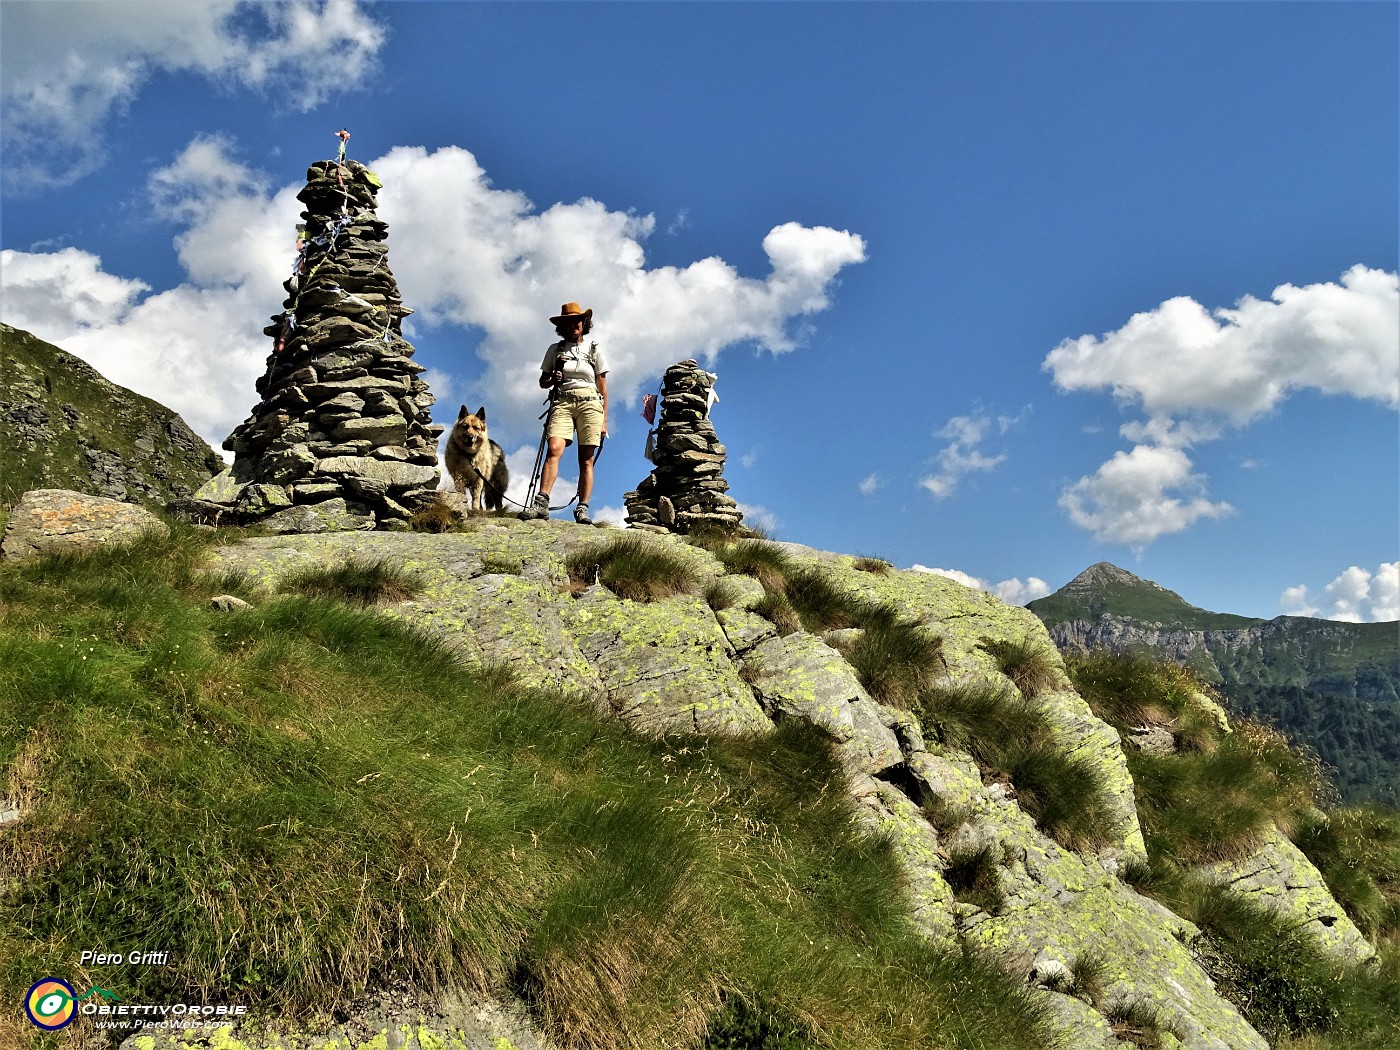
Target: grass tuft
(357, 581)
(897, 661)
(434, 516)
(766, 562)
(1130, 690)
(1030, 663)
(503, 564)
(822, 605)
(710, 536)
(1140, 1024)
(877, 566)
(722, 593)
(1086, 976)
(775, 607)
(633, 567)
(974, 875)
(1012, 740)
(742, 1025)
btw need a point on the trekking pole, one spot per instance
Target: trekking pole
(539, 453)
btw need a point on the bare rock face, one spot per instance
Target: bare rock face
(47, 520)
(344, 418)
(687, 488)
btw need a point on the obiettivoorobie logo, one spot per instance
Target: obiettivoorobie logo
(52, 1004)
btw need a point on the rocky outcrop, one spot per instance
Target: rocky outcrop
(687, 488)
(676, 666)
(1278, 876)
(64, 426)
(50, 520)
(344, 424)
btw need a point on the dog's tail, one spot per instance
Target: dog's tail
(499, 480)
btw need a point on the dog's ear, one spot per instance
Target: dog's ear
(481, 413)
(462, 414)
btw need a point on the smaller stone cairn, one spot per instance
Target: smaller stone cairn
(343, 436)
(687, 488)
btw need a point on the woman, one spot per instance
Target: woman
(578, 374)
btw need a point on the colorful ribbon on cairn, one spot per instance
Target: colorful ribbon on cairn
(301, 277)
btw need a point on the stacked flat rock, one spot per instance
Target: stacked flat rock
(687, 488)
(344, 423)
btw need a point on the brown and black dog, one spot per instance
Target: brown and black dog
(475, 463)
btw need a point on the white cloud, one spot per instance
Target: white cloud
(521, 463)
(757, 517)
(444, 387)
(1195, 372)
(462, 252)
(1128, 499)
(197, 348)
(869, 484)
(191, 349)
(1181, 359)
(63, 291)
(1357, 595)
(67, 67)
(1015, 592)
(1012, 591)
(486, 257)
(963, 454)
(1294, 602)
(237, 229)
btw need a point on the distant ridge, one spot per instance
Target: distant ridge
(1106, 590)
(1332, 685)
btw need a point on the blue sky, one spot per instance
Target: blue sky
(997, 289)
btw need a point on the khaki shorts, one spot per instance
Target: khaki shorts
(577, 412)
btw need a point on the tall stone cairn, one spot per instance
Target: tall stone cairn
(687, 488)
(343, 429)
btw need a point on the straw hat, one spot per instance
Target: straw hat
(572, 312)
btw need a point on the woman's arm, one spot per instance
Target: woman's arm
(547, 375)
(602, 382)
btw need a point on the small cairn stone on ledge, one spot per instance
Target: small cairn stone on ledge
(687, 488)
(343, 437)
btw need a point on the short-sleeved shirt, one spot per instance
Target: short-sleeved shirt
(581, 363)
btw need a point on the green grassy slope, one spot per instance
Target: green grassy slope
(307, 799)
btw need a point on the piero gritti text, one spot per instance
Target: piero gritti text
(94, 958)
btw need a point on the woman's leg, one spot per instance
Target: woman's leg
(586, 454)
(550, 470)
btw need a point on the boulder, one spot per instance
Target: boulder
(47, 520)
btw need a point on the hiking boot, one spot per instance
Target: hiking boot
(581, 514)
(538, 509)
